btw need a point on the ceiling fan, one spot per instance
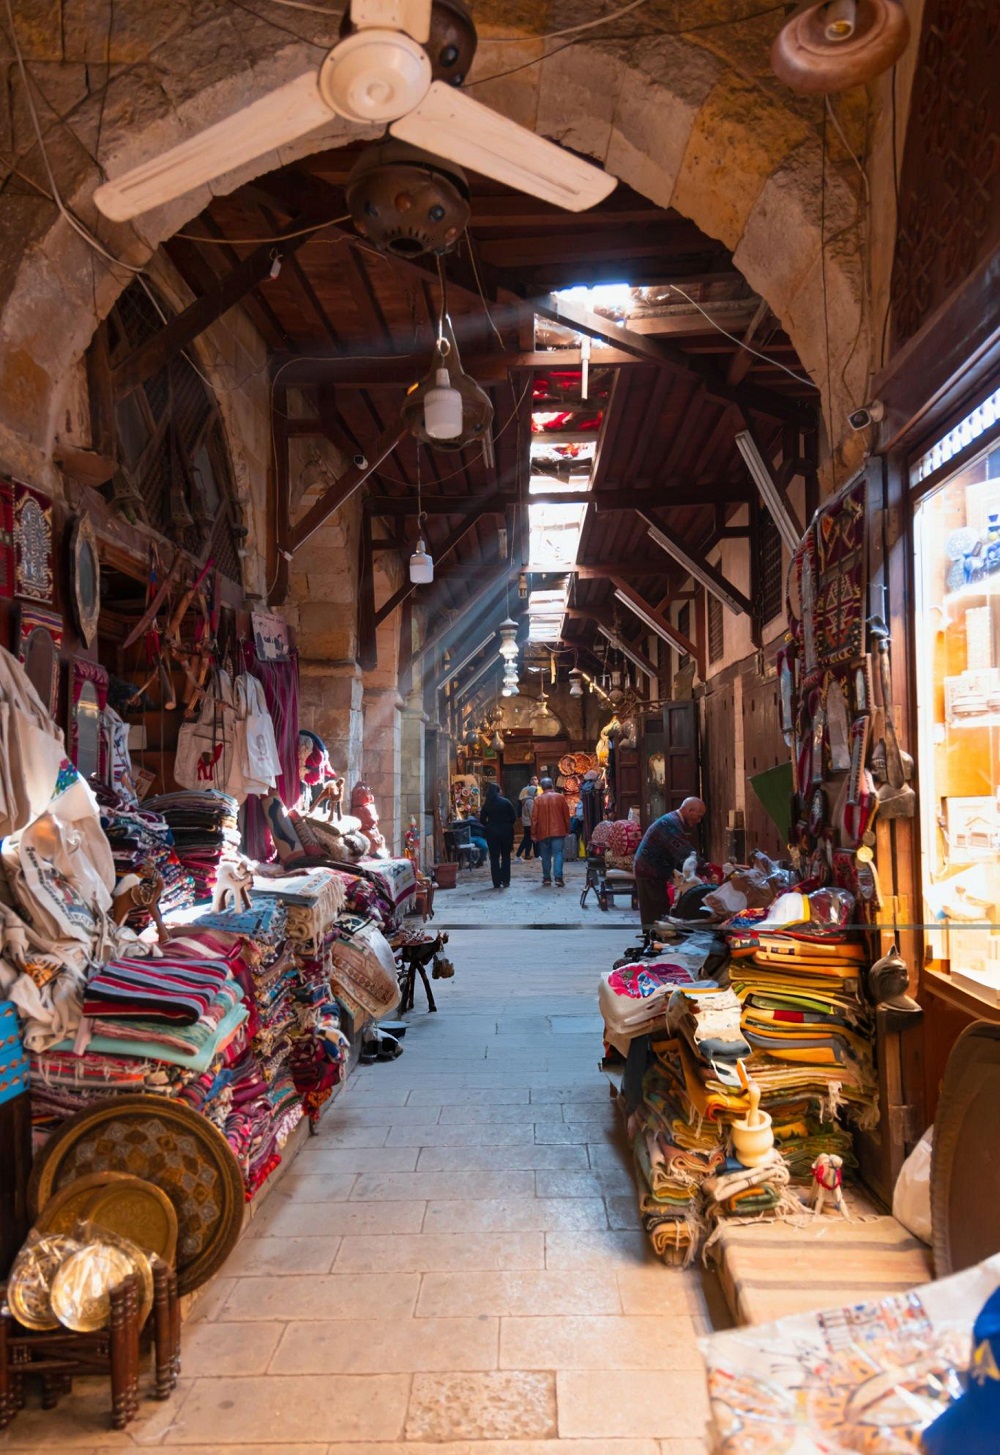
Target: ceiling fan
(398, 62)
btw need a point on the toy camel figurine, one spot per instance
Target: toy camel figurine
(234, 882)
(828, 1175)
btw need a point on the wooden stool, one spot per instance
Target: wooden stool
(56, 1356)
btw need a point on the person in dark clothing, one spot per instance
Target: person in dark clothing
(665, 846)
(498, 817)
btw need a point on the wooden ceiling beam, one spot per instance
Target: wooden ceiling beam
(149, 358)
(188, 257)
(343, 488)
(692, 560)
(650, 617)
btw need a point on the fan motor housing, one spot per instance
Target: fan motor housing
(407, 202)
(451, 47)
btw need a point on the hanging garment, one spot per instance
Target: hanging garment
(31, 749)
(255, 763)
(205, 747)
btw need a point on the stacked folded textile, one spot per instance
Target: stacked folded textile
(139, 837)
(633, 997)
(738, 1191)
(261, 1105)
(205, 831)
(812, 1038)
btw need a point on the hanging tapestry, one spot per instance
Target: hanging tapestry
(39, 638)
(33, 568)
(6, 539)
(841, 566)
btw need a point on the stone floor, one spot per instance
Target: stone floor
(454, 1261)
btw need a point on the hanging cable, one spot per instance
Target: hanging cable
(73, 221)
(799, 378)
(225, 242)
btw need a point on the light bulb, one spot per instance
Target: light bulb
(443, 409)
(421, 565)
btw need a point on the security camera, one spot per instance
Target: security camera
(869, 414)
(360, 462)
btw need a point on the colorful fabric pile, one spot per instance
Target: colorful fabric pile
(139, 837)
(812, 1037)
(205, 831)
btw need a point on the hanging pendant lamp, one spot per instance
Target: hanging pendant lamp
(421, 562)
(447, 408)
(508, 639)
(826, 48)
(575, 682)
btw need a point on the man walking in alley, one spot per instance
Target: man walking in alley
(549, 827)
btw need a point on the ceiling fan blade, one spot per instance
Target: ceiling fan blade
(453, 125)
(279, 117)
(413, 16)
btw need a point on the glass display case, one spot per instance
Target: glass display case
(957, 578)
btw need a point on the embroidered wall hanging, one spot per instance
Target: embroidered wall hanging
(6, 540)
(39, 638)
(33, 566)
(842, 577)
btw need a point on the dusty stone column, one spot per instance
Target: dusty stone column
(411, 787)
(330, 703)
(381, 766)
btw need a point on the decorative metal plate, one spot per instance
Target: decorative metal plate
(81, 1289)
(65, 1210)
(166, 1143)
(139, 1211)
(86, 578)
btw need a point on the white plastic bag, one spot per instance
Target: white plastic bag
(911, 1199)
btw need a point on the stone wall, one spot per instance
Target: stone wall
(694, 121)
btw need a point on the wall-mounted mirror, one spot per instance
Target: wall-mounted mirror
(88, 699)
(39, 638)
(86, 578)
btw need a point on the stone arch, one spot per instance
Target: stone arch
(682, 124)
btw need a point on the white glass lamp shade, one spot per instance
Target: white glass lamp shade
(576, 683)
(508, 639)
(443, 409)
(509, 689)
(421, 565)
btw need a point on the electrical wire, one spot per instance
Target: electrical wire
(683, 30)
(776, 363)
(73, 221)
(225, 242)
(479, 285)
(826, 306)
(573, 29)
(315, 9)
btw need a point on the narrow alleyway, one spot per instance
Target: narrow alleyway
(455, 1258)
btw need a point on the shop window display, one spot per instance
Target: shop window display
(957, 577)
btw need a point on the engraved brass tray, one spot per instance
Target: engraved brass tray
(162, 1142)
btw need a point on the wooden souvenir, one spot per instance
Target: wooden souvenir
(85, 578)
(166, 1143)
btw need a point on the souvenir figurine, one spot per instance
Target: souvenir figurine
(828, 1175)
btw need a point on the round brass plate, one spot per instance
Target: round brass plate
(162, 1142)
(66, 1209)
(81, 1289)
(139, 1211)
(29, 1287)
